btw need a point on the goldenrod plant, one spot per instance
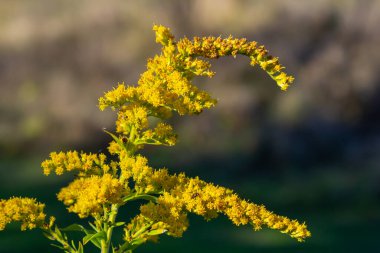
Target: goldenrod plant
(105, 184)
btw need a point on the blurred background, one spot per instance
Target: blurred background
(312, 153)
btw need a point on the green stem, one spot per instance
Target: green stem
(104, 248)
(144, 196)
(142, 230)
(108, 227)
(112, 218)
(132, 133)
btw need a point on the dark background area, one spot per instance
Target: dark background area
(311, 153)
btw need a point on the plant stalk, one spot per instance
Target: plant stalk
(108, 228)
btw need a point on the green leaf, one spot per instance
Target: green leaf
(148, 197)
(119, 224)
(58, 232)
(140, 196)
(97, 243)
(48, 236)
(93, 226)
(57, 246)
(73, 227)
(115, 138)
(80, 228)
(80, 248)
(95, 238)
(157, 231)
(138, 241)
(148, 141)
(152, 141)
(73, 245)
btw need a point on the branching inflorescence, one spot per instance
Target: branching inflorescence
(105, 184)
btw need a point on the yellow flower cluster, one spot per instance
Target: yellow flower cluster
(215, 47)
(117, 97)
(86, 196)
(145, 178)
(163, 35)
(166, 86)
(138, 170)
(162, 134)
(133, 119)
(86, 164)
(166, 215)
(181, 194)
(205, 199)
(25, 210)
(165, 83)
(114, 148)
(131, 115)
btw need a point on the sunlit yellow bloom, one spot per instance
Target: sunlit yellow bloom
(86, 196)
(163, 35)
(132, 115)
(25, 210)
(182, 194)
(208, 200)
(167, 84)
(168, 215)
(72, 160)
(167, 80)
(162, 134)
(117, 97)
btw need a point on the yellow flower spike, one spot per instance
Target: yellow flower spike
(167, 82)
(25, 210)
(183, 194)
(62, 162)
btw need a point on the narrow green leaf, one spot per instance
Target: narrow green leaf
(133, 227)
(148, 197)
(57, 231)
(97, 242)
(94, 227)
(50, 237)
(140, 196)
(73, 227)
(80, 248)
(91, 237)
(73, 245)
(119, 224)
(57, 246)
(148, 141)
(157, 231)
(138, 241)
(151, 141)
(115, 138)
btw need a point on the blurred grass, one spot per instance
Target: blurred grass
(340, 216)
